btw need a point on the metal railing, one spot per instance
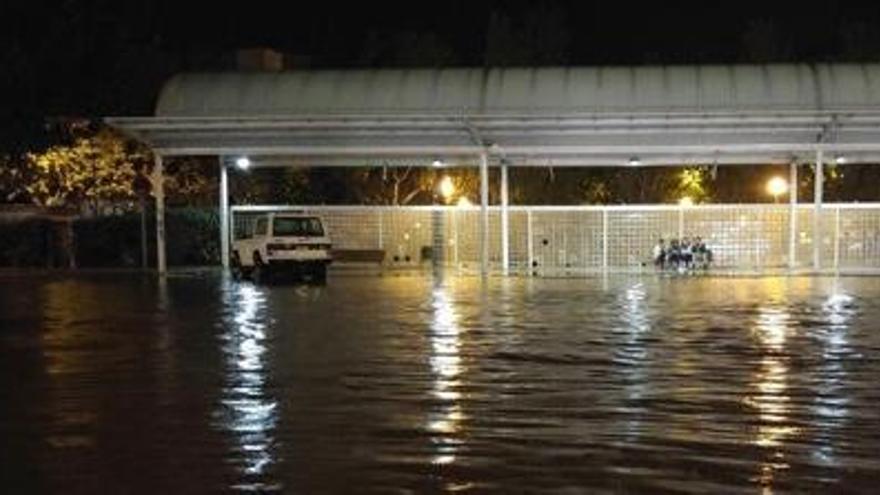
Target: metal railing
(592, 238)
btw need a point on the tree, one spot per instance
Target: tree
(92, 172)
(11, 180)
(289, 186)
(540, 37)
(691, 183)
(407, 49)
(191, 181)
(763, 41)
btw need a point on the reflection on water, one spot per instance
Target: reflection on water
(445, 418)
(632, 355)
(248, 410)
(771, 382)
(831, 404)
(392, 384)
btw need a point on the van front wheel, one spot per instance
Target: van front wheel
(235, 267)
(318, 273)
(260, 271)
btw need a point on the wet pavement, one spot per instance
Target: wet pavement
(120, 383)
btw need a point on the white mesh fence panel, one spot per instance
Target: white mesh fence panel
(574, 238)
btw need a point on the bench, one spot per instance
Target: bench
(358, 255)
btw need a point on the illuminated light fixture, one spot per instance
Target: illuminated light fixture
(464, 202)
(447, 188)
(243, 163)
(777, 186)
(686, 201)
(840, 159)
(634, 161)
(437, 163)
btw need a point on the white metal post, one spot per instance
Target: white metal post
(837, 238)
(484, 213)
(505, 223)
(224, 214)
(792, 214)
(530, 241)
(817, 212)
(381, 231)
(157, 179)
(605, 238)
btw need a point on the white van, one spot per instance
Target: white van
(282, 243)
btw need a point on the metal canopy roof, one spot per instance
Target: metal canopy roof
(547, 116)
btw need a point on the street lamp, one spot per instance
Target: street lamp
(777, 186)
(447, 188)
(243, 163)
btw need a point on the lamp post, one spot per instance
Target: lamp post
(446, 190)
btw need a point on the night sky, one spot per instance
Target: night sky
(95, 58)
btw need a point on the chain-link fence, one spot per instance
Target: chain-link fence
(589, 238)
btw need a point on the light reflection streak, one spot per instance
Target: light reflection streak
(831, 404)
(772, 400)
(445, 361)
(247, 410)
(633, 354)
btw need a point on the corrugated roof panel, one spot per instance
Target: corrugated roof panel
(650, 85)
(751, 86)
(582, 89)
(525, 90)
(718, 89)
(846, 85)
(682, 94)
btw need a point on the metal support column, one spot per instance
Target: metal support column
(157, 179)
(530, 242)
(381, 242)
(605, 238)
(484, 213)
(817, 212)
(837, 238)
(505, 223)
(224, 214)
(792, 214)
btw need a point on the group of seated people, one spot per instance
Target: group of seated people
(682, 255)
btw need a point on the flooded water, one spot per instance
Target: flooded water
(124, 384)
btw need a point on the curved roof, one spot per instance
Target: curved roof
(529, 91)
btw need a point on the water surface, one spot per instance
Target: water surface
(125, 384)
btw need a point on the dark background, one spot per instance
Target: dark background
(102, 57)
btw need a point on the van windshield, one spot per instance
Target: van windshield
(297, 227)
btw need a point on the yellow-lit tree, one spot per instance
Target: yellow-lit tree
(692, 183)
(91, 173)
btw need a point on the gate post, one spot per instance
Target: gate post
(157, 179)
(817, 212)
(792, 214)
(484, 213)
(505, 223)
(224, 214)
(605, 238)
(530, 242)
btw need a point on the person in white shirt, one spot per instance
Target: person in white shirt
(659, 254)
